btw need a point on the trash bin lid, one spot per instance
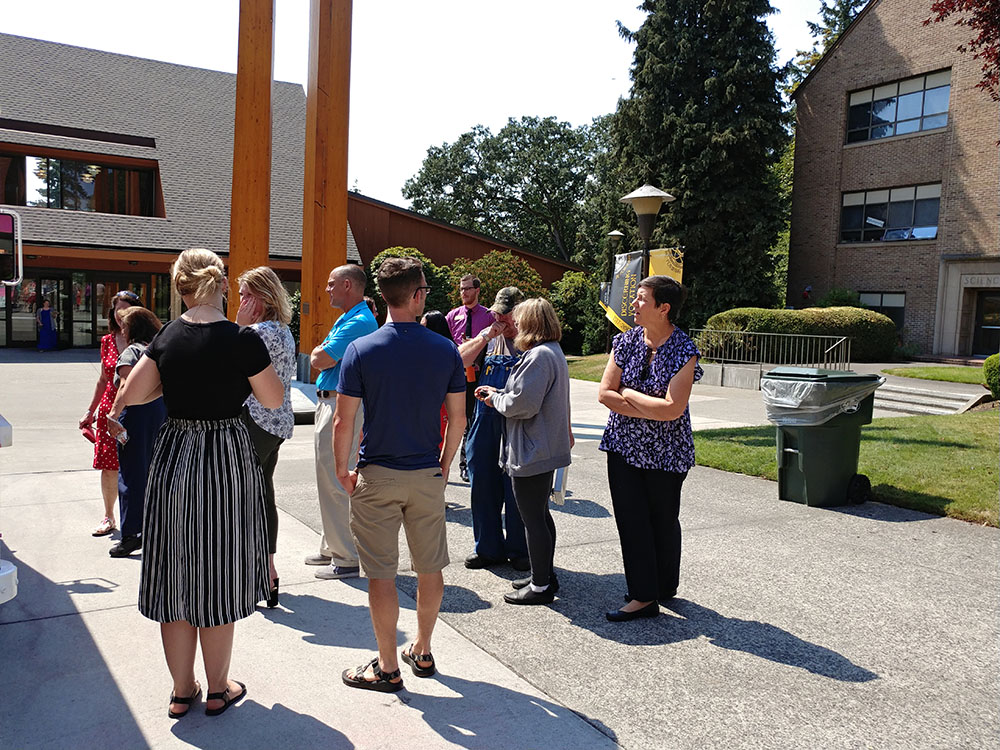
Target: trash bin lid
(819, 375)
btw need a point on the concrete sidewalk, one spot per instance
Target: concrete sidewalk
(795, 627)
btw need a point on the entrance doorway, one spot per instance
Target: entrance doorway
(986, 336)
(25, 300)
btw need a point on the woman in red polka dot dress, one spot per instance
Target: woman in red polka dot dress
(105, 449)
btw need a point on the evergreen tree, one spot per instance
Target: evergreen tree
(704, 122)
(834, 18)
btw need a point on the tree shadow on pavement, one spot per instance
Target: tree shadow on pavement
(472, 716)
(251, 724)
(48, 651)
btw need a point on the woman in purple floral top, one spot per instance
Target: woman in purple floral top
(646, 385)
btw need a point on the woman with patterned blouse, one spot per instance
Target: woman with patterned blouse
(264, 306)
(646, 385)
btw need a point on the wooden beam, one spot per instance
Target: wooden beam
(250, 213)
(324, 216)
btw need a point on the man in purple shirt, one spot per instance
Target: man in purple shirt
(465, 322)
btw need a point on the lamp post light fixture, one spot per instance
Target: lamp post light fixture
(646, 202)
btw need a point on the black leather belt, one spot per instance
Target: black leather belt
(326, 394)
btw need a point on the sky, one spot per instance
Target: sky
(422, 73)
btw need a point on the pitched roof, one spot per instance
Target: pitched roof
(836, 44)
(188, 113)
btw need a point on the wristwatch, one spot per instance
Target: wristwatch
(485, 335)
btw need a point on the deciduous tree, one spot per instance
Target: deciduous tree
(523, 185)
(983, 18)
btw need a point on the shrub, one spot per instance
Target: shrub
(437, 277)
(991, 374)
(574, 297)
(873, 335)
(838, 297)
(495, 270)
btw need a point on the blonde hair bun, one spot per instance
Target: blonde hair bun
(198, 272)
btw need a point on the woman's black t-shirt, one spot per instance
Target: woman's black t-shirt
(204, 367)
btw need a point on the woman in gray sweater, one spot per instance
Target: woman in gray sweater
(537, 438)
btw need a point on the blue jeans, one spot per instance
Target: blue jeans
(492, 493)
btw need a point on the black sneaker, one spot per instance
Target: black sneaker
(126, 546)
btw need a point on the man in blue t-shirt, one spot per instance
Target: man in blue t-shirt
(337, 553)
(401, 374)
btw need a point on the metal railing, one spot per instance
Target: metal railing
(751, 348)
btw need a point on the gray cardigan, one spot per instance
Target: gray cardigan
(535, 402)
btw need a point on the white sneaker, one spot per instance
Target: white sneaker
(318, 559)
(333, 572)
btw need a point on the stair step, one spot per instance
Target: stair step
(911, 409)
(923, 400)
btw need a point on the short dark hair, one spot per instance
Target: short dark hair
(398, 279)
(666, 290)
(435, 320)
(469, 277)
(142, 324)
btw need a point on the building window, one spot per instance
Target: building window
(904, 213)
(77, 186)
(907, 106)
(890, 304)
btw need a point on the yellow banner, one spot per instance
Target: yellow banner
(667, 261)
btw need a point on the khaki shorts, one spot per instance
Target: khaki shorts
(386, 499)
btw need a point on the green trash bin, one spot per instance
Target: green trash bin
(819, 414)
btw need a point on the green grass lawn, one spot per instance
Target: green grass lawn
(590, 367)
(949, 374)
(946, 465)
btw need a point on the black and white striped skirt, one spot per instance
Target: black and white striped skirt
(204, 546)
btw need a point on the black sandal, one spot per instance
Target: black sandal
(183, 701)
(411, 658)
(222, 697)
(383, 681)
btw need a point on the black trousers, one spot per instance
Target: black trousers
(647, 503)
(532, 497)
(267, 446)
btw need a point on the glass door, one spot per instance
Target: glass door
(986, 338)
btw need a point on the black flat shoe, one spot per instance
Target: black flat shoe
(662, 599)
(126, 546)
(227, 701)
(650, 610)
(520, 583)
(478, 562)
(527, 596)
(272, 599)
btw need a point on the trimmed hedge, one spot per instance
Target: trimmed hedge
(873, 335)
(991, 374)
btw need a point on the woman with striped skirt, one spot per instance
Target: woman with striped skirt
(204, 562)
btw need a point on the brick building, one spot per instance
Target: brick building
(896, 181)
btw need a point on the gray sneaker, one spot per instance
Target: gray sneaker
(333, 572)
(318, 560)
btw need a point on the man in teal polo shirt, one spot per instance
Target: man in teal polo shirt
(337, 553)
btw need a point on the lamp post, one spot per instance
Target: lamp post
(615, 241)
(646, 202)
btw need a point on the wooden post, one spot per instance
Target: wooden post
(324, 216)
(250, 213)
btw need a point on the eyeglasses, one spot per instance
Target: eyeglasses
(466, 288)
(426, 289)
(127, 295)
